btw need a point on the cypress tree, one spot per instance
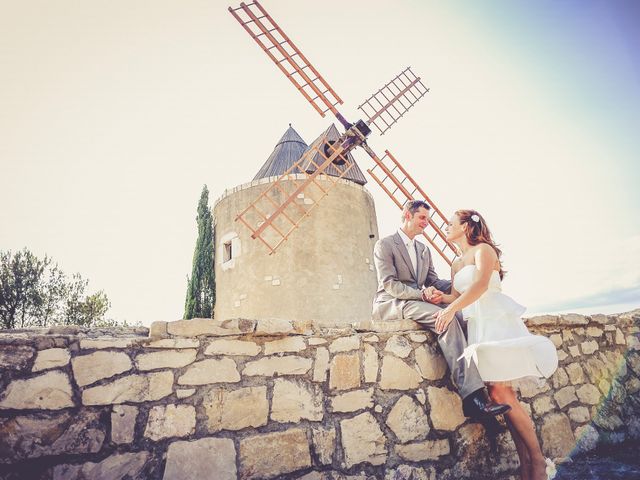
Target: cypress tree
(201, 287)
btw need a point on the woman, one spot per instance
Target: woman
(499, 342)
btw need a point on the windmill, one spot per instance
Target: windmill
(278, 211)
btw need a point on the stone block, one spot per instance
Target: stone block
(158, 330)
(133, 388)
(431, 362)
(573, 319)
(324, 444)
(210, 371)
(233, 347)
(352, 401)
(620, 340)
(123, 423)
(418, 337)
(557, 437)
(287, 365)
(88, 369)
(170, 421)
(274, 326)
(587, 438)
(594, 332)
(588, 394)
(595, 368)
(446, 409)
(345, 344)
(15, 357)
(114, 467)
(574, 351)
(559, 378)
(370, 364)
(344, 372)
(316, 341)
(424, 451)
(165, 359)
(108, 342)
(236, 409)
(185, 392)
(321, 365)
(203, 459)
(51, 358)
(407, 420)
(363, 441)
(579, 414)
(209, 326)
(174, 343)
(273, 454)
(542, 320)
(50, 391)
(399, 346)
(589, 347)
(60, 433)
(543, 404)
(397, 375)
(565, 396)
(285, 345)
(575, 372)
(556, 338)
(295, 400)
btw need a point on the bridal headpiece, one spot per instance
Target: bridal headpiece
(475, 218)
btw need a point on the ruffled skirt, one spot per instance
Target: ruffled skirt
(500, 344)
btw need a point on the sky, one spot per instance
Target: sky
(114, 114)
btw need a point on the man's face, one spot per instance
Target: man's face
(417, 222)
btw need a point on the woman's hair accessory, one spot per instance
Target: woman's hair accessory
(475, 218)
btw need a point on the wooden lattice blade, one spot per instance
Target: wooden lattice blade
(287, 57)
(385, 107)
(401, 187)
(286, 202)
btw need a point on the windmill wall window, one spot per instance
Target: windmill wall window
(229, 249)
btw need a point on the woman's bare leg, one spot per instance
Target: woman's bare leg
(521, 427)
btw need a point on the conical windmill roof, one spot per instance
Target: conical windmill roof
(290, 148)
(354, 174)
(287, 151)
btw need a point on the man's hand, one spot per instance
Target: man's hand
(432, 295)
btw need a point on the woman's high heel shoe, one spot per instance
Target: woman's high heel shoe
(551, 469)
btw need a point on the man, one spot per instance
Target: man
(409, 288)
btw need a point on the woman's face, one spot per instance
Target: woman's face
(454, 229)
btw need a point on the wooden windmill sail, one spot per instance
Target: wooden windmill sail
(291, 198)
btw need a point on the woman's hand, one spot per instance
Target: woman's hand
(443, 319)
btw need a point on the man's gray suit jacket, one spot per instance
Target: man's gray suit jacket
(397, 281)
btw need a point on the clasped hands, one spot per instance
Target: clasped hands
(443, 317)
(432, 295)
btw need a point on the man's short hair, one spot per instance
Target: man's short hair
(412, 206)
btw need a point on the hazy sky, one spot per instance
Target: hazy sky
(113, 114)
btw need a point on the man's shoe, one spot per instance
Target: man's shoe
(477, 405)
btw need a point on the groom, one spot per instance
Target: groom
(408, 287)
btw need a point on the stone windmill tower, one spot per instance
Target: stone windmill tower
(323, 270)
(325, 275)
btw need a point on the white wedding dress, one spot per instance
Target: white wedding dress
(499, 342)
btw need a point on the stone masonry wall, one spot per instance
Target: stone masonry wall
(204, 399)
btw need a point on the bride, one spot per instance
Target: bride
(499, 342)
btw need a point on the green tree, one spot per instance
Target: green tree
(201, 286)
(36, 293)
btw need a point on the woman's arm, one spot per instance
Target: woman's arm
(485, 258)
(449, 298)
